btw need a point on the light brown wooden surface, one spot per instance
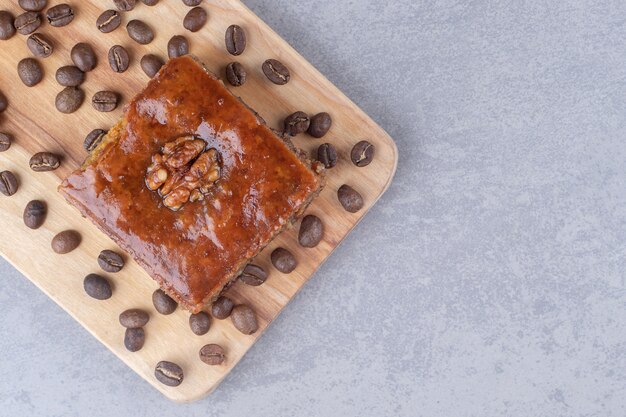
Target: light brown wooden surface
(36, 125)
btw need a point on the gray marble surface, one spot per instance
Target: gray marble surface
(490, 279)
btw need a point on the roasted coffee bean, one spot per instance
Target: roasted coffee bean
(5, 141)
(168, 373)
(350, 199)
(40, 45)
(134, 318)
(244, 319)
(35, 214)
(283, 260)
(195, 19)
(150, 2)
(8, 183)
(97, 287)
(276, 72)
(222, 308)
(32, 5)
(311, 231)
(212, 354)
(4, 103)
(163, 303)
(235, 40)
(134, 339)
(200, 323)
(253, 275)
(69, 99)
(296, 123)
(110, 261)
(70, 76)
(66, 241)
(236, 74)
(27, 23)
(60, 15)
(104, 101)
(7, 26)
(327, 155)
(84, 57)
(30, 71)
(44, 161)
(108, 21)
(151, 64)
(140, 32)
(93, 139)
(362, 154)
(119, 59)
(320, 125)
(125, 5)
(192, 3)
(177, 46)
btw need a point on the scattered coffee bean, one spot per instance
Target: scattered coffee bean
(192, 3)
(362, 154)
(134, 339)
(4, 103)
(27, 23)
(253, 275)
(320, 125)
(119, 60)
(177, 46)
(168, 373)
(93, 139)
(134, 318)
(60, 15)
(350, 199)
(296, 123)
(195, 19)
(8, 183)
(30, 71)
(32, 5)
(140, 32)
(327, 155)
(108, 21)
(200, 323)
(311, 231)
(70, 76)
(97, 287)
(104, 101)
(222, 308)
(150, 2)
(276, 72)
(84, 57)
(7, 26)
(236, 74)
(69, 99)
(35, 214)
(212, 354)
(110, 261)
(66, 241)
(283, 260)
(5, 141)
(163, 303)
(40, 45)
(244, 319)
(151, 64)
(125, 5)
(235, 40)
(44, 161)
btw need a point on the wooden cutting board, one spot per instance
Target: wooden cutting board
(36, 125)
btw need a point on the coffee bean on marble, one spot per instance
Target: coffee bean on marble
(253, 275)
(60, 15)
(169, 373)
(93, 139)
(69, 99)
(105, 101)
(150, 2)
(27, 23)
(5, 141)
(8, 183)
(108, 21)
(200, 323)
(7, 26)
(134, 339)
(163, 303)
(125, 5)
(35, 214)
(222, 307)
(235, 39)
(151, 64)
(84, 57)
(119, 60)
(30, 71)
(283, 260)
(110, 261)
(70, 76)
(350, 199)
(195, 19)
(362, 154)
(244, 319)
(66, 241)
(32, 5)
(327, 155)
(212, 354)
(177, 46)
(236, 74)
(296, 123)
(134, 318)
(311, 231)
(276, 72)
(320, 125)
(4, 103)
(140, 32)
(192, 3)
(44, 161)
(40, 45)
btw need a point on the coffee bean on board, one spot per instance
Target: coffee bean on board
(70, 76)
(320, 125)
(200, 323)
(66, 241)
(311, 231)
(235, 40)
(44, 161)
(83, 56)
(283, 260)
(140, 32)
(108, 21)
(40, 45)
(253, 275)
(163, 303)
(222, 308)
(350, 199)
(60, 15)
(134, 318)
(93, 139)
(195, 19)
(134, 339)
(362, 154)
(69, 99)
(97, 287)
(30, 71)
(110, 261)
(8, 183)
(212, 354)
(35, 214)
(276, 72)
(27, 23)
(169, 373)
(244, 319)
(236, 74)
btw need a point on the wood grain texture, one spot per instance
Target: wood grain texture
(36, 125)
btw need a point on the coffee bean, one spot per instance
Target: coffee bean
(70, 76)
(283, 260)
(150, 2)
(44, 161)
(125, 5)
(362, 154)
(134, 318)
(350, 199)
(253, 275)
(4, 103)
(93, 139)
(66, 241)
(140, 32)
(192, 3)
(222, 308)
(168, 373)
(8, 183)
(35, 214)
(110, 261)
(60, 15)
(327, 155)
(320, 125)
(244, 319)
(30, 71)
(276, 72)
(151, 64)
(119, 59)
(40, 45)
(32, 5)
(84, 57)
(134, 339)
(236, 74)
(195, 19)
(108, 21)
(177, 46)
(7, 26)
(212, 354)
(27, 23)
(104, 101)
(163, 303)
(296, 123)
(5, 141)
(69, 99)
(311, 231)
(235, 40)
(97, 287)
(200, 323)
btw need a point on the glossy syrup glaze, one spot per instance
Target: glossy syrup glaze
(197, 250)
